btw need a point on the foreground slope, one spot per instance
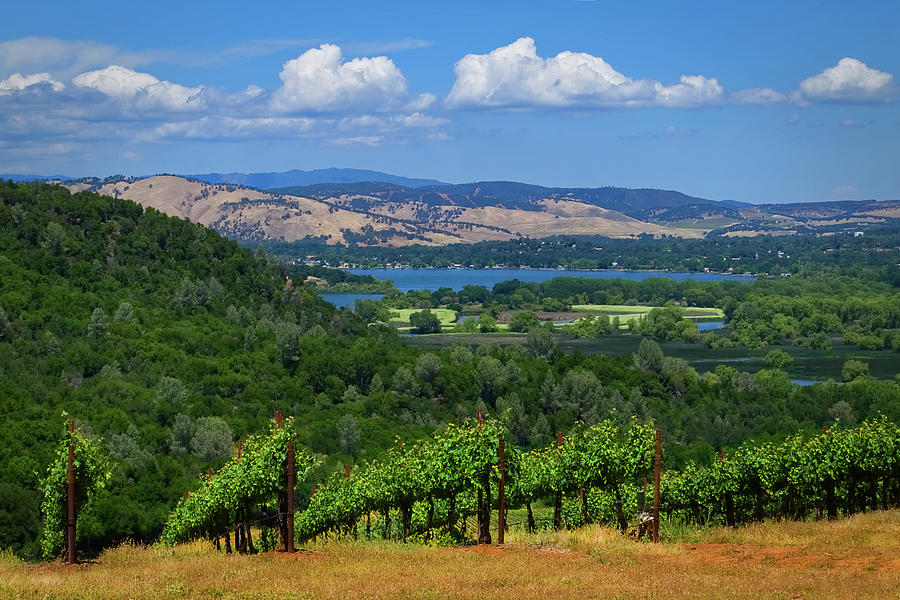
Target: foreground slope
(852, 558)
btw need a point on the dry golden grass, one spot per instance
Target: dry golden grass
(853, 558)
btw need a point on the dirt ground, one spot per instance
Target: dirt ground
(854, 558)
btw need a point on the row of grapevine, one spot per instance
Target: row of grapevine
(848, 469)
(256, 476)
(592, 474)
(456, 461)
(598, 457)
(462, 461)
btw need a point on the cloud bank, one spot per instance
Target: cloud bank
(61, 94)
(851, 80)
(321, 80)
(514, 76)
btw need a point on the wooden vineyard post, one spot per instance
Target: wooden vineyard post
(70, 508)
(289, 492)
(483, 513)
(501, 509)
(557, 506)
(289, 543)
(657, 472)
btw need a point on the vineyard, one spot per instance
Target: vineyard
(429, 489)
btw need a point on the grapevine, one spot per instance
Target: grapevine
(92, 472)
(256, 477)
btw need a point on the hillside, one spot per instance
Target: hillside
(377, 214)
(157, 334)
(389, 214)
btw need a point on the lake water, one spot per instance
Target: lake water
(432, 279)
(342, 300)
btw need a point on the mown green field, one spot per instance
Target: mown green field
(628, 312)
(446, 316)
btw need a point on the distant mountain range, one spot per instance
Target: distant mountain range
(642, 204)
(271, 180)
(18, 177)
(298, 177)
(392, 214)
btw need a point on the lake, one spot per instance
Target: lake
(349, 300)
(432, 279)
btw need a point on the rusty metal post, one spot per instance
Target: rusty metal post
(289, 542)
(559, 440)
(657, 472)
(70, 509)
(186, 494)
(240, 449)
(479, 503)
(347, 470)
(501, 507)
(278, 419)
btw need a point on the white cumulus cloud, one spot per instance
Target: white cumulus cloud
(320, 80)
(143, 88)
(515, 76)
(851, 80)
(18, 82)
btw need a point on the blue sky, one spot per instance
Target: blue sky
(765, 102)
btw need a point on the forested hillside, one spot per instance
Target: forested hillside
(171, 343)
(159, 335)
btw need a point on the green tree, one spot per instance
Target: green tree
(779, 359)
(854, 369)
(5, 327)
(649, 356)
(820, 341)
(287, 341)
(487, 323)
(98, 324)
(125, 313)
(523, 321)
(542, 344)
(425, 322)
(212, 438)
(348, 434)
(428, 365)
